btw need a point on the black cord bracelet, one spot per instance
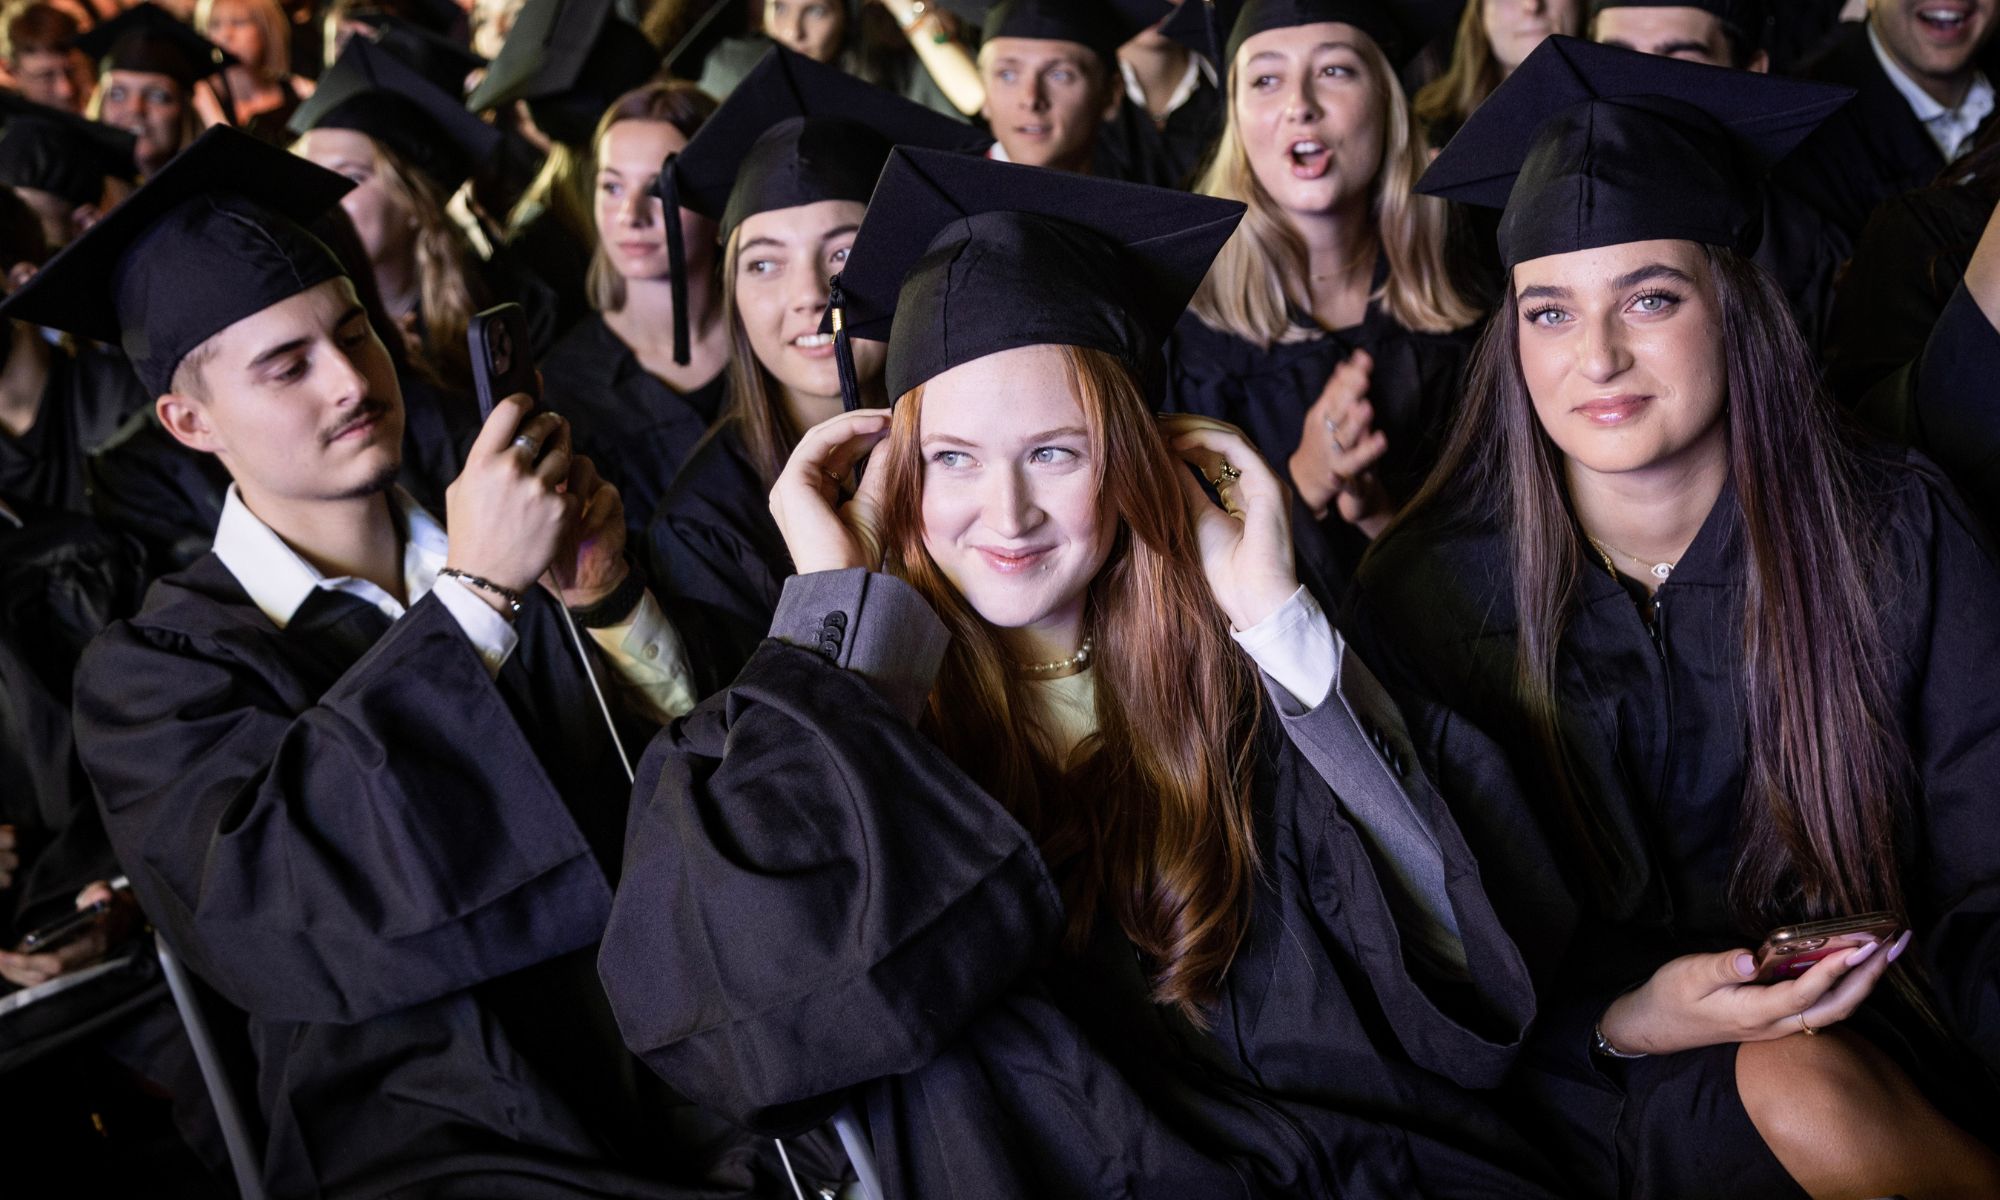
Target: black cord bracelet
(617, 606)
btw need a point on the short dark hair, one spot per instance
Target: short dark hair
(38, 28)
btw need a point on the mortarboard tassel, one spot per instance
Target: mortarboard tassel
(670, 212)
(843, 348)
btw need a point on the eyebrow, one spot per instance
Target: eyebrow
(1047, 435)
(1315, 50)
(284, 348)
(1542, 291)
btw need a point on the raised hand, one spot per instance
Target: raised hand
(509, 509)
(822, 532)
(1333, 468)
(590, 559)
(1246, 542)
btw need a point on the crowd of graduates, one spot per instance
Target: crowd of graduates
(934, 598)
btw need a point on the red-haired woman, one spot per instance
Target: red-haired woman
(1002, 836)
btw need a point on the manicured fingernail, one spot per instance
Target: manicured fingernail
(1902, 944)
(1746, 966)
(1861, 956)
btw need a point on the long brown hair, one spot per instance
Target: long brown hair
(1827, 781)
(681, 105)
(449, 287)
(1259, 278)
(1149, 819)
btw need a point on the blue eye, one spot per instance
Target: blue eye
(1049, 455)
(1653, 303)
(951, 459)
(1547, 317)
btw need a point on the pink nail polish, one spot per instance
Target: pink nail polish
(1902, 944)
(1746, 966)
(1861, 956)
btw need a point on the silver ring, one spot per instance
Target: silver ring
(527, 443)
(1334, 434)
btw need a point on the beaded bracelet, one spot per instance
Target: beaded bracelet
(512, 597)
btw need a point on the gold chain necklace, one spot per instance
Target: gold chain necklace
(1062, 668)
(1658, 570)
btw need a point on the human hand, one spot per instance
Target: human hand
(822, 532)
(590, 559)
(1246, 542)
(108, 930)
(1339, 447)
(1709, 999)
(509, 509)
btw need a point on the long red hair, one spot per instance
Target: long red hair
(1149, 819)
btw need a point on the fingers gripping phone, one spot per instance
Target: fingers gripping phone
(1789, 951)
(501, 365)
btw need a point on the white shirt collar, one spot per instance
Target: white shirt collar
(1949, 128)
(998, 152)
(278, 581)
(1198, 70)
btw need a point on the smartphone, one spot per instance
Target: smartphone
(501, 364)
(1790, 950)
(64, 929)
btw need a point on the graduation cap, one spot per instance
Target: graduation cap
(1587, 145)
(371, 91)
(1217, 29)
(569, 59)
(213, 238)
(962, 257)
(54, 150)
(1748, 18)
(438, 58)
(793, 132)
(1102, 25)
(148, 38)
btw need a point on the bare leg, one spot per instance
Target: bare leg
(1848, 1124)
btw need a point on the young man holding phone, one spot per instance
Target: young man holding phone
(355, 771)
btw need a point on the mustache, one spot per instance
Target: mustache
(370, 410)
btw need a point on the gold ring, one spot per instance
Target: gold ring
(1225, 475)
(1808, 1030)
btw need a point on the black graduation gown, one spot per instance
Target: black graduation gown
(714, 540)
(818, 905)
(545, 247)
(87, 395)
(1414, 388)
(1905, 266)
(63, 577)
(633, 426)
(1654, 732)
(1942, 404)
(1873, 148)
(399, 868)
(1134, 147)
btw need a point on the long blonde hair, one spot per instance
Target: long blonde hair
(1259, 279)
(1149, 818)
(277, 30)
(1443, 104)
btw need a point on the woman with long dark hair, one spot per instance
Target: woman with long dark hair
(1330, 329)
(1001, 836)
(785, 170)
(1741, 658)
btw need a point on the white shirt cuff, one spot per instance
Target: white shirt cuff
(646, 652)
(490, 633)
(1297, 647)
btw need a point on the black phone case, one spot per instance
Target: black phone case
(501, 362)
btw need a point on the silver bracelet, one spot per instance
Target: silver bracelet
(512, 597)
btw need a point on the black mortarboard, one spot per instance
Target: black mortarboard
(793, 132)
(1093, 23)
(1217, 29)
(148, 38)
(213, 238)
(962, 257)
(54, 150)
(438, 58)
(1748, 18)
(371, 91)
(569, 59)
(1587, 145)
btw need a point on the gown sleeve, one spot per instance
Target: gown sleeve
(813, 896)
(1955, 741)
(332, 858)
